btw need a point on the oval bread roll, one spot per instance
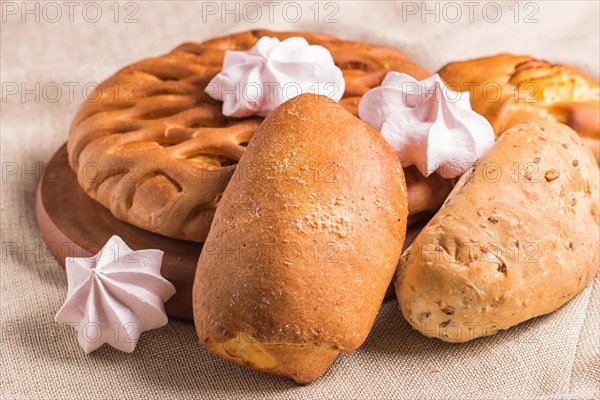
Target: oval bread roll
(518, 237)
(304, 244)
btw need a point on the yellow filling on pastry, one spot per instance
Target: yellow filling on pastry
(248, 351)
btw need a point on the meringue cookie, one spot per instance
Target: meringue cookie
(427, 124)
(255, 82)
(114, 296)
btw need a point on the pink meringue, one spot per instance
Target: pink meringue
(115, 296)
(427, 124)
(255, 82)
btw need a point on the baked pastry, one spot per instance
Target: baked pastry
(295, 268)
(425, 194)
(509, 89)
(518, 237)
(155, 149)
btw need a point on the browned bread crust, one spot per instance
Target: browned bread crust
(509, 89)
(518, 237)
(294, 270)
(152, 147)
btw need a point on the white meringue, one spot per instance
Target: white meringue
(427, 124)
(255, 82)
(114, 296)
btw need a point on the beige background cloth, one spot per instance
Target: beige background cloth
(555, 356)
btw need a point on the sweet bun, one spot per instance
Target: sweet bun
(304, 243)
(518, 237)
(509, 89)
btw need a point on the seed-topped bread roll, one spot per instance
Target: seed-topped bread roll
(518, 237)
(305, 241)
(508, 89)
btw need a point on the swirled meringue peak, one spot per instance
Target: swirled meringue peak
(255, 82)
(427, 124)
(114, 296)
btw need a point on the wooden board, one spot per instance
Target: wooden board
(74, 225)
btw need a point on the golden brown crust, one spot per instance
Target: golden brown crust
(152, 147)
(509, 89)
(518, 237)
(425, 194)
(304, 242)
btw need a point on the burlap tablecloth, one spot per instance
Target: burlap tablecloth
(53, 59)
